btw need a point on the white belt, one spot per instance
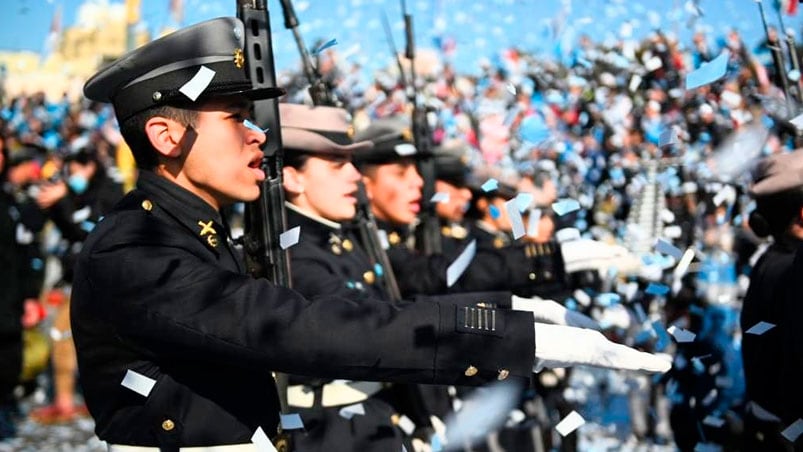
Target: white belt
(334, 394)
(249, 447)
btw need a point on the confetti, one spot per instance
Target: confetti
(350, 411)
(406, 424)
(198, 83)
(794, 75)
(460, 264)
(565, 206)
(608, 299)
(797, 121)
(330, 43)
(570, 423)
(516, 222)
(668, 138)
(405, 149)
(490, 185)
(383, 238)
(663, 246)
(494, 211)
(635, 82)
(440, 197)
(291, 421)
(289, 238)
(261, 441)
(708, 72)
(657, 289)
(253, 126)
(523, 201)
(533, 222)
(793, 431)
(683, 265)
(663, 336)
(713, 421)
(567, 235)
(138, 383)
(681, 335)
(484, 410)
(582, 297)
(653, 64)
(760, 328)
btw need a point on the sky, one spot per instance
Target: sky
(480, 29)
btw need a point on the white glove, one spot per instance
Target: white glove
(549, 311)
(564, 346)
(586, 254)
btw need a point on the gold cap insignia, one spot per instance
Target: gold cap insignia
(407, 134)
(239, 58)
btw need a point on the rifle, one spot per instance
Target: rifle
(778, 61)
(319, 92)
(428, 236)
(265, 218)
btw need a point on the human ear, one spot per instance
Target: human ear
(165, 136)
(293, 180)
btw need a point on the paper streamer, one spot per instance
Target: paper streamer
(760, 328)
(709, 72)
(289, 238)
(516, 221)
(330, 43)
(460, 264)
(138, 383)
(198, 83)
(570, 423)
(663, 246)
(533, 221)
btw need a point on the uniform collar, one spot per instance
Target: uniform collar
(187, 208)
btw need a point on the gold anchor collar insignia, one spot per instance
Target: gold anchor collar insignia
(208, 230)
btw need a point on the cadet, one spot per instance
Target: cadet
(778, 192)
(175, 344)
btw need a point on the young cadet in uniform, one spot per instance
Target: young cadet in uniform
(176, 344)
(321, 185)
(778, 193)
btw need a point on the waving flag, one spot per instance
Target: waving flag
(788, 7)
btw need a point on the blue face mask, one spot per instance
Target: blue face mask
(78, 183)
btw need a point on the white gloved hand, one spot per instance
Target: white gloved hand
(549, 311)
(587, 254)
(564, 346)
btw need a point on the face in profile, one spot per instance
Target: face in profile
(325, 186)
(455, 207)
(394, 190)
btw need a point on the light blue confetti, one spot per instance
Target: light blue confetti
(330, 43)
(379, 270)
(565, 206)
(709, 72)
(523, 201)
(253, 126)
(608, 299)
(490, 185)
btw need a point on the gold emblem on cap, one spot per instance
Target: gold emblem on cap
(369, 277)
(471, 371)
(147, 205)
(350, 131)
(239, 58)
(407, 134)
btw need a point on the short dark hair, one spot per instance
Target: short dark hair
(133, 131)
(775, 213)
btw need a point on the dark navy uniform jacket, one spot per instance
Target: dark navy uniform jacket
(524, 269)
(157, 291)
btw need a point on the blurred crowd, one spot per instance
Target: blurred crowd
(610, 126)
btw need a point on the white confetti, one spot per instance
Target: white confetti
(680, 334)
(653, 64)
(405, 149)
(350, 411)
(533, 222)
(760, 328)
(582, 297)
(289, 238)
(198, 83)
(482, 411)
(635, 82)
(138, 383)
(516, 221)
(565, 206)
(406, 424)
(683, 265)
(291, 421)
(673, 232)
(460, 264)
(261, 441)
(440, 197)
(383, 239)
(567, 235)
(570, 423)
(793, 431)
(797, 121)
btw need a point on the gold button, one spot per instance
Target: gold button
(336, 249)
(499, 242)
(147, 205)
(168, 425)
(369, 277)
(347, 245)
(394, 238)
(471, 371)
(504, 373)
(532, 276)
(446, 231)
